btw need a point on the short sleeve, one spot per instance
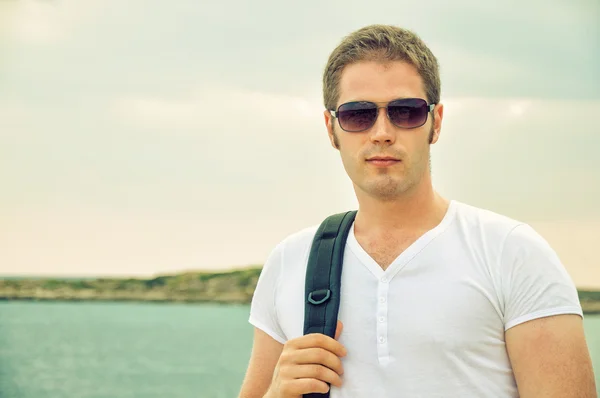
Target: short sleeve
(535, 282)
(263, 314)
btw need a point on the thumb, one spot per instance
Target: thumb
(338, 329)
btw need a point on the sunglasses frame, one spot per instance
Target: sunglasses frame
(335, 113)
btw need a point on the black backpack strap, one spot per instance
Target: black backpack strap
(324, 277)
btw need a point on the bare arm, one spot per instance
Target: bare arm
(306, 364)
(263, 359)
(550, 358)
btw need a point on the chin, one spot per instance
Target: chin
(388, 190)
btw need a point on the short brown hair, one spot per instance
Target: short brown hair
(381, 43)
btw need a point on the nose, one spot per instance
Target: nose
(383, 130)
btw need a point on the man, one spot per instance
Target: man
(438, 298)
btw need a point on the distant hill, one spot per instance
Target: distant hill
(235, 286)
(227, 287)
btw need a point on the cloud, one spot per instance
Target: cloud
(75, 240)
(244, 140)
(523, 154)
(216, 108)
(13, 116)
(519, 108)
(37, 22)
(107, 47)
(530, 156)
(45, 22)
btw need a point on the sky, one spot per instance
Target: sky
(143, 137)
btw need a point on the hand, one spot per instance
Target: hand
(307, 364)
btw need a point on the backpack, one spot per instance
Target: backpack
(324, 276)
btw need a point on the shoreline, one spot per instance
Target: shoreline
(234, 287)
(587, 309)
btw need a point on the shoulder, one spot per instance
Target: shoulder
(290, 249)
(298, 241)
(508, 238)
(473, 216)
(498, 238)
(486, 226)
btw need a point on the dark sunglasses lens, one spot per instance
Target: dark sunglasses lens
(357, 116)
(408, 113)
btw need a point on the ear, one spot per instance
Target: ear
(329, 120)
(438, 112)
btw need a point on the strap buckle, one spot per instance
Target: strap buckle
(319, 296)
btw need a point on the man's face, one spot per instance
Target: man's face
(382, 83)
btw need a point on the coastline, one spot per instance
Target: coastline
(232, 287)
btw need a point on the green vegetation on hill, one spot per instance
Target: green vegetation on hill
(590, 301)
(227, 287)
(235, 286)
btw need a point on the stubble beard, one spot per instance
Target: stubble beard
(389, 187)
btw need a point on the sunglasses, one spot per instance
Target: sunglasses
(406, 113)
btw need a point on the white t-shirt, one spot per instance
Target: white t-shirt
(432, 324)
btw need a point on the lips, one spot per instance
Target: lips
(382, 158)
(383, 161)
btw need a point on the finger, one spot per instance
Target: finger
(318, 340)
(319, 356)
(304, 386)
(313, 371)
(338, 329)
